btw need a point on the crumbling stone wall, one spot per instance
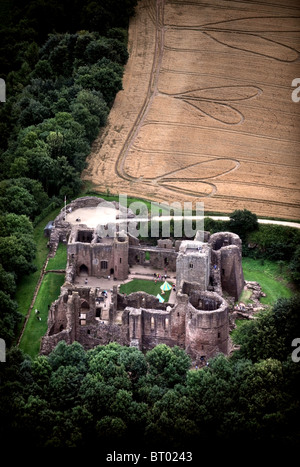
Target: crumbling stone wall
(139, 300)
(227, 270)
(160, 258)
(197, 322)
(207, 325)
(147, 328)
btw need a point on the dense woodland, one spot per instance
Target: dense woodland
(117, 396)
(63, 65)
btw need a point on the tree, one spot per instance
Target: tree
(64, 384)
(19, 201)
(7, 281)
(110, 429)
(294, 265)
(22, 196)
(242, 222)
(17, 255)
(134, 362)
(172, 421)
(272, 333)
(258, 339)
(9, 318)
(15, 224)
(19, 167)
(90, 122)
(72, 355)
(94, 102)
(168, 366)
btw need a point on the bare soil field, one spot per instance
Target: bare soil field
(206, 111)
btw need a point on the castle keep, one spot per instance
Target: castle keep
(92, 311)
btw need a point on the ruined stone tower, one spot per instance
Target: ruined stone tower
(120, 256)
(193, 263)
(226, 258)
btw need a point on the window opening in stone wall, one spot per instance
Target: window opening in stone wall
(84, 236)
(191, 265)
(219, 335)
(166, 324)
(98, 312)
(120, 260)
(104, 265)
(152, 323)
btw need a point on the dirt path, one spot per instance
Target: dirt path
(206, 112)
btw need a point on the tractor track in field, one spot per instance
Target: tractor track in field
(206, 133)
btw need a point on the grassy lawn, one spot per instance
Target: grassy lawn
(272, 277)
(142, 285)
(60, 259)
(35, 329)
(26, 286)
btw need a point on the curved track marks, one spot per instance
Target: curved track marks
(200, 111)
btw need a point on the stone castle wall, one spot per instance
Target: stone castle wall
(197, 322)
(227, 256)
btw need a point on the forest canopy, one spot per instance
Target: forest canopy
(78, 398)
(62, 63)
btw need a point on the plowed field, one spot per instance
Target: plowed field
(206, 113)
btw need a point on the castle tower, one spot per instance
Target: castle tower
(193, 263)
(120, 253)
(227, 254)
(207, 325)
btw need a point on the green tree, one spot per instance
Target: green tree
(9, 318)
(134, 363)
(17, 255)
(19, 167)
(7, 281)
(272, 333)
(64, 387)
(97, 395)
(242, 222)
(15, 224)
(19, 201)
(167, 366)
(294, 265)
(110, 429)
(72, 355)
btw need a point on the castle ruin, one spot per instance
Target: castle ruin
(206, 274)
